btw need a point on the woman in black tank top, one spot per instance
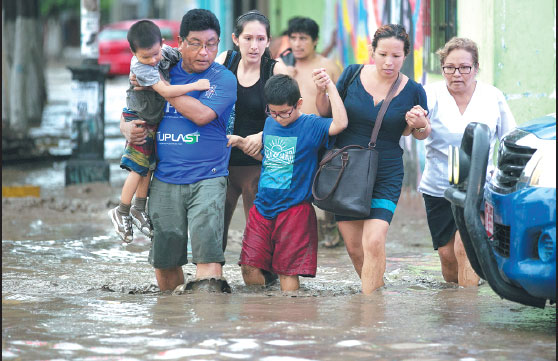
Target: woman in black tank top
(252, 65)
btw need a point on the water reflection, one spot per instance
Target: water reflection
(92, 297)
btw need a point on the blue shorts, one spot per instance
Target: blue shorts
(387, 189)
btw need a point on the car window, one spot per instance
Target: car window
(113, 34)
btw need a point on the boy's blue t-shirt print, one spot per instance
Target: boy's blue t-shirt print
(290, 160)
(279, 162)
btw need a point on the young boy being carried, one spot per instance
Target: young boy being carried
(150, 56)
(281, 232)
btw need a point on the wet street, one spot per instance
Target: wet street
(72, 291)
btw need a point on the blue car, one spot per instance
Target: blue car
(508, 223)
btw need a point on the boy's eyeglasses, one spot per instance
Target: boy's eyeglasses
(452, 69)
(283, 115)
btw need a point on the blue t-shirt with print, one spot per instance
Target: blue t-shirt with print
(188, 153)
(290, 160)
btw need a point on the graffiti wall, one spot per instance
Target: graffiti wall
(358, 20)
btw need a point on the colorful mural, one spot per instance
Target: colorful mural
(358, 20)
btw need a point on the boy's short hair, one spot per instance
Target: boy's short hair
(281, 89)
(303, 25)
(143, 35)
(199, 20)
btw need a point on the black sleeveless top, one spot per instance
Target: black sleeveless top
(249, 107)
(249, 118)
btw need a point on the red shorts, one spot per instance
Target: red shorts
(286, 245)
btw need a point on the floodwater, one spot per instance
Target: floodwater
(72, 291)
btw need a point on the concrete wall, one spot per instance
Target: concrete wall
(517, 45)
(475, 20)
(280, 11)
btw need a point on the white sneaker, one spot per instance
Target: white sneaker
(122, 225)
(141, 221)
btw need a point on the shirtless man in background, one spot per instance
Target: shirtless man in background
(303, 37)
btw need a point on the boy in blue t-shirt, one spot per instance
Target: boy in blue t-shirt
(281, 231)
(150, 56)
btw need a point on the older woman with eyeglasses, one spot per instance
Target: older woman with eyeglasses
(453, 104)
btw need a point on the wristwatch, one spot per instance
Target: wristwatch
(420, 130)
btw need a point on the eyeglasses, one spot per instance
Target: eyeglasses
(198, 46)
(282, 115)
(452, 69)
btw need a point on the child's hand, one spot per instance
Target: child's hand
(253, 144)
(321, 79)
(234, 140)
(202, 84)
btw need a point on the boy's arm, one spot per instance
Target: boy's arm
(340, 120)
(321, 79)
(170, 91)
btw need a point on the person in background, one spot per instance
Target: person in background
(453, 104)
(252, 65)
(365, 238)
(187, 194)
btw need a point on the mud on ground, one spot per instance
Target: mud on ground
(79, 211)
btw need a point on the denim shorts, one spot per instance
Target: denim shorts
(175, 209)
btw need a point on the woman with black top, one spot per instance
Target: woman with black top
(252, 65)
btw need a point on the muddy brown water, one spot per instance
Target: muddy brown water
(72, 291)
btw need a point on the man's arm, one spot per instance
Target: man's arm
(133, 131)
(280, 68)
(170, 91)
(193, 109)
(290, 70)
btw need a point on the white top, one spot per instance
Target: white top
(487, 105)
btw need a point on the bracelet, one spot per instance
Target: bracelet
(420, 130)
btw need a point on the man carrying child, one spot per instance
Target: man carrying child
(187, 194)
(150, 56)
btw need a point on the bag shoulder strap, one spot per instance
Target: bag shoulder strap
(267, 67)
(351, 79)
(383, 109)
(231, 61)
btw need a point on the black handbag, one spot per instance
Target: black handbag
(345, 178)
